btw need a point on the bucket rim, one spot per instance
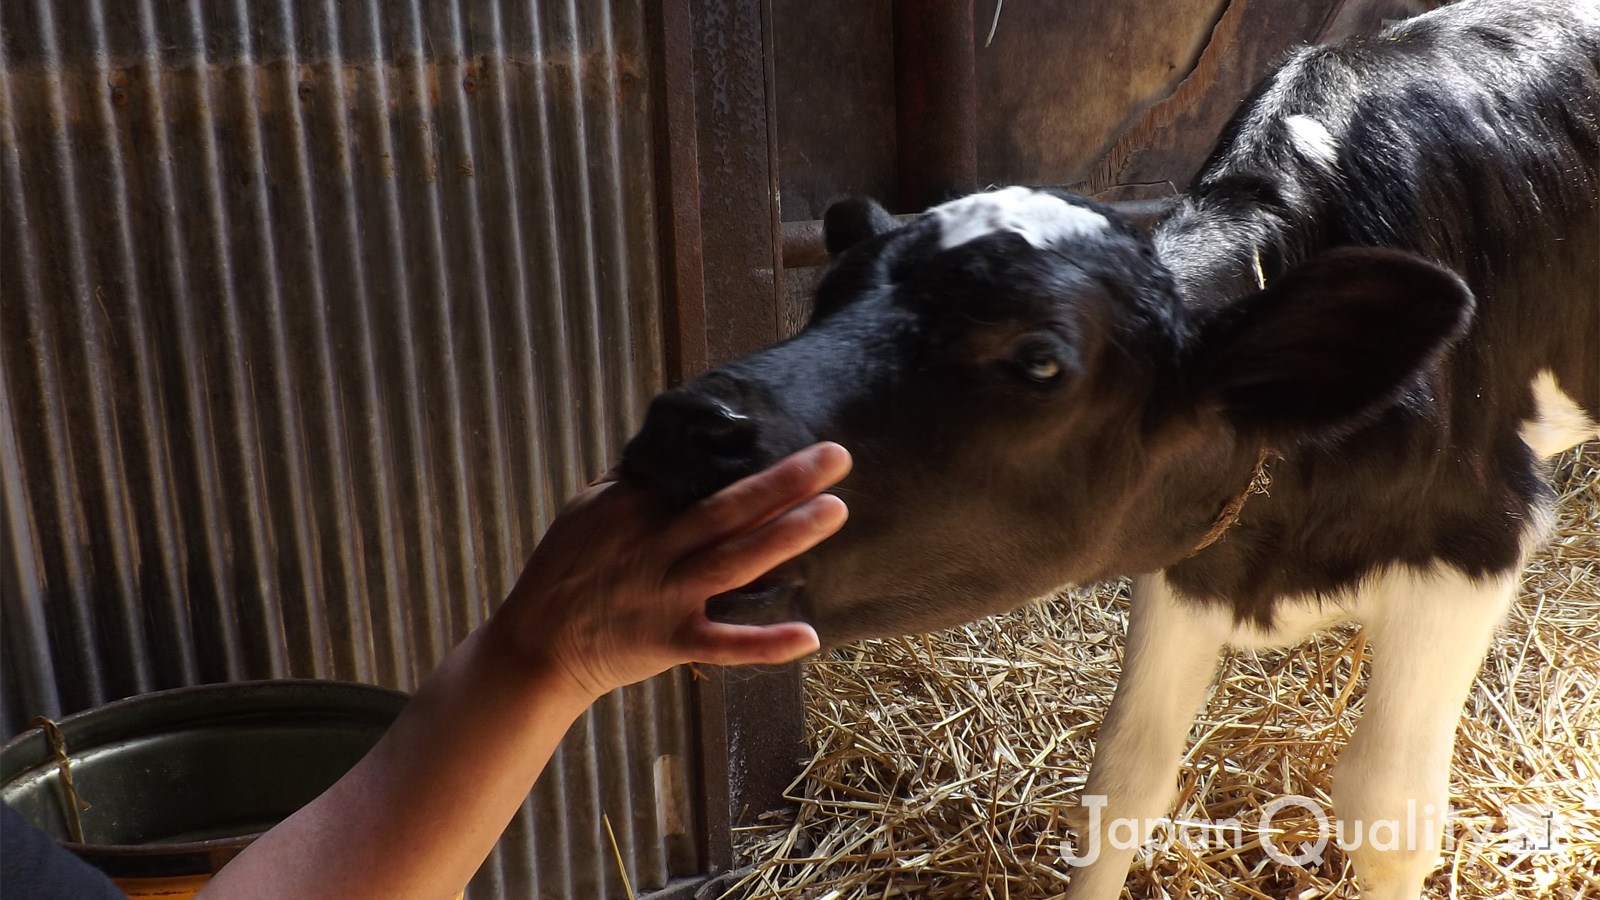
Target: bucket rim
(186, 707)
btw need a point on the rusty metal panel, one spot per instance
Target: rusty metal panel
(312, 313)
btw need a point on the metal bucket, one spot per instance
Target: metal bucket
(176, 783)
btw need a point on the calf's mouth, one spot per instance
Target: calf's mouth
(773, 598)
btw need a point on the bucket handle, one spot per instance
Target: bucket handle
(70, 801)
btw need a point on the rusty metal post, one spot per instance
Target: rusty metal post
(936, 113)
(678, 190)
(722, 267)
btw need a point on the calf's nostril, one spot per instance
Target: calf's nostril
(700, 425)
(693, 444)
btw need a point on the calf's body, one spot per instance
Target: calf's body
(1468, 137)
(1383, 292)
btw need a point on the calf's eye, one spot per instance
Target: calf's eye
(1040, 362)
(1042, 369)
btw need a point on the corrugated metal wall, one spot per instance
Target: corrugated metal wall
(312, 311)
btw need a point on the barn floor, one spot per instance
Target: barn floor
(945, 765)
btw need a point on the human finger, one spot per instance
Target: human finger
(753, 501)
(738, 562)
(722, 644)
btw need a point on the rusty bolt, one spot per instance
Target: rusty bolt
(305, 90)
(119, 95)
(469, 84)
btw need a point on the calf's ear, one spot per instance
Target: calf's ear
(1330, 345)
(848, 222)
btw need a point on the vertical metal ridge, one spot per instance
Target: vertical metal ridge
(88, 368)
(275, 360)
(533, 509)
(171, 631)
(116, 584)
(638, 235)
(535, 849)
(625, 414)
(26, 634)
(256, 516)
(557, 340)
(375, 413)
(611, 787)
(676, 807)
(648, 853)
(641, 855)
(444, 629)
(209, 531)
(521, 874)
(409, 63)
(444, 82)
(593, 869)
(493, 576)
(514, 860)
(358, 637)
(66, 504)
(553, 794)
(403, 637)
(582, 288)
(299, 300)
(421, 484)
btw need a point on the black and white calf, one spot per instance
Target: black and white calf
(1386, 281)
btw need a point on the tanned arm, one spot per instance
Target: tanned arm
(613, 594)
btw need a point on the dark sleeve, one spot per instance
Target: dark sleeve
(34, 867)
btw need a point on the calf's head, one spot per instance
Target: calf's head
(1030, 403)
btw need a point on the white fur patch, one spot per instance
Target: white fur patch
(1313, 140)
(1558, 423)
(1587, 11)
(1042, 219)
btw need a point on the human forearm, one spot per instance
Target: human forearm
(419, 813)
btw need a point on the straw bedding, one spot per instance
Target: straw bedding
(947, 765)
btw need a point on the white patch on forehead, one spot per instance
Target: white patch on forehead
(1313, 140)
(1042, 219)
(1558, 423)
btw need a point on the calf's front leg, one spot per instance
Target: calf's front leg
(1391, 786)
(1171, 660)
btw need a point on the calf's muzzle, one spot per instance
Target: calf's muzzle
(709, 433)
(705, 435)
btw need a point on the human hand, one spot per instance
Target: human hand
(616, 590)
